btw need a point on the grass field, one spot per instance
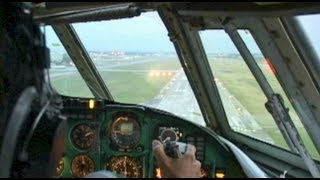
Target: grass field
(130, 87)
(137, 87)
(125, 86)
(133, 87)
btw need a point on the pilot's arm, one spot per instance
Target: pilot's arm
(185, 167)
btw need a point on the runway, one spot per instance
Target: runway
(177, 97)
(58, 71)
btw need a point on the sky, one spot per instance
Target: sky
(147, 33)
(311, 24)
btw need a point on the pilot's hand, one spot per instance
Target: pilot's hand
(185, 167)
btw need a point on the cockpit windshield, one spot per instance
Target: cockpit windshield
(138, 64)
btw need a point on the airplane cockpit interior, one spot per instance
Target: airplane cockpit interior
(86, 87)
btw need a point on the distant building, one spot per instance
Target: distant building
(118, 53)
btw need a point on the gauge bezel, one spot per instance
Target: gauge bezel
(114, 159)
(73, 162)
(168, 130)
(74, 141)
(115, 122)
(59, 173)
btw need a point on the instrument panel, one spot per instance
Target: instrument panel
(118, 137)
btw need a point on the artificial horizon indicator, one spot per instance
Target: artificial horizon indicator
(125, 132)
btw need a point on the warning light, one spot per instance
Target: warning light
(91, 104)
(158, 175)
(220, 175)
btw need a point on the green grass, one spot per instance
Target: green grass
(133, 87)
(236, 76)
(127, 87)
(71, 85)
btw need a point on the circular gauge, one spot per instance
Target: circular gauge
(59, 168)
(125, 132)
(128, 166)
(83, 136)
(82, 165)
(168, 135)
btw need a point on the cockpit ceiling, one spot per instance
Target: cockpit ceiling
(44, 10)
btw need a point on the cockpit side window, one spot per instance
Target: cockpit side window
(269, 72)
(242, 97)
